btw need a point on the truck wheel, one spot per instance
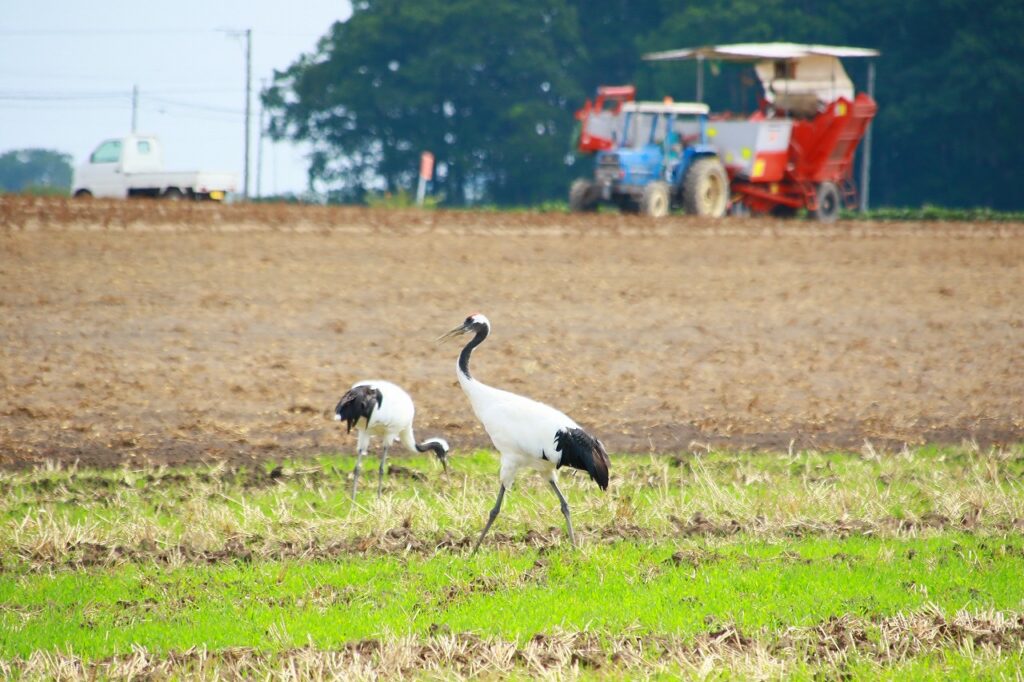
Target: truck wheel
(173, 194)
(655, 202)
(706, 188)
(83, 194)
(582, 196)
(828, 202)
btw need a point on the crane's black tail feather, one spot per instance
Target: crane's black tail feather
(358, 403)
(580, 450)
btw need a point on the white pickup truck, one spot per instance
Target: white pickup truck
(133, 166)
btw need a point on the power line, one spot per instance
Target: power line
(16, 96)
(197, 115)
(63, 105)
(139, 31)
(60, 97)
(197, 107)
(169, 88)
(98, 31)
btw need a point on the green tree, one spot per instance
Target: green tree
(24, 170)
(483, 84)
(611, 31)
(490, 88)
(726, 86)
(950, 92)
(949, 84)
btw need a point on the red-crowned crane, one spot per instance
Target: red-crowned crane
(380, 408)
(528, 434)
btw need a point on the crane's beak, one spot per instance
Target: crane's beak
(458, 331)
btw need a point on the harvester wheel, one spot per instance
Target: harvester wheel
(655, 202)
(582, 196)
(828, 202)
(83, 194)
(706, 188)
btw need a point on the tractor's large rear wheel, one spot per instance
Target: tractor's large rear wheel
(583, 196)
(828, 202)
(706, 188)
(656, 200)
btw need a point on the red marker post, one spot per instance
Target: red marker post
(426, 174)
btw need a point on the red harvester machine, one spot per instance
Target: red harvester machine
(797, 150)
(599, 119)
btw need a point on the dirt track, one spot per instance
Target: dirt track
(144, 331)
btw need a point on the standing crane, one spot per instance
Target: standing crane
(528, 434)
(380, 408)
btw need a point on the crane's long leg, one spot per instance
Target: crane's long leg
(355, 472)
(380, 474)
(490, 519)
(565, 511)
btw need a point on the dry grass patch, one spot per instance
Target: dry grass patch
(835, 648)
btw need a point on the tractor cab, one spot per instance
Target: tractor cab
(652, 152)
(651, 140)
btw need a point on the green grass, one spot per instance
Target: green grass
(930, 212)
(752, 585)
(776, 547)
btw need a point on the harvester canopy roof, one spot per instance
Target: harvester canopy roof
(800, 79)
(682, 108)
(754, 52)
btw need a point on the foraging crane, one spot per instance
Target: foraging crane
(528, 434)
(380, 408)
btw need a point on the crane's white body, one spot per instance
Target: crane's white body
(384, 411)
(528, 434)
(522, 430)
(391, 421)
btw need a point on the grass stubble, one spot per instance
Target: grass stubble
(701, 564)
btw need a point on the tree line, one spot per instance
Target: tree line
(490, 86)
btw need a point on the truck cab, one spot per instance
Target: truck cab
(133, 166)
(660, 159)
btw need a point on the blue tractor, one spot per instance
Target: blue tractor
(659, 159)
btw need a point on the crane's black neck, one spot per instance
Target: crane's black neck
(468, 350)
(431, 445)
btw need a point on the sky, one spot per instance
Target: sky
(67, 69)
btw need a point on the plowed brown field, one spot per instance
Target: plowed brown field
(147, 332)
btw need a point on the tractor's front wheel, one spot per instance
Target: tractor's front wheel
(706, 188)
(656, 199)
(828, 202)
(583, 196)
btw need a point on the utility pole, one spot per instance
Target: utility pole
(865, 159)
(135, 107)
(700, 78)
(247, 33)
(248, 104)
